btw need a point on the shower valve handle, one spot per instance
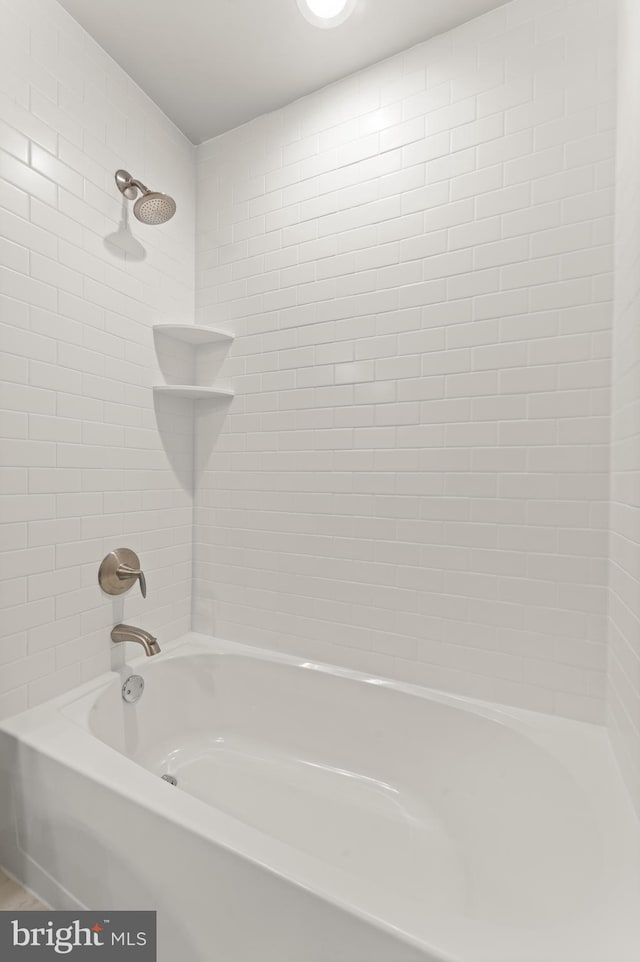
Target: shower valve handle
(124, 572)
(120, 570)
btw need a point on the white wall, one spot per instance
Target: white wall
(417, 263)
(416, 260)
(624, 648)
(83, 467)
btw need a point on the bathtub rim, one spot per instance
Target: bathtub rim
(60, 729)
(196, 643)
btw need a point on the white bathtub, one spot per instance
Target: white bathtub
(321, 815)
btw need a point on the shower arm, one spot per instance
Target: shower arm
(139, 185)
(127, 184)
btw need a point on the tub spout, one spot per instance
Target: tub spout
(139, 635)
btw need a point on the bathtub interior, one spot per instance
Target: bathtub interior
(452, 808)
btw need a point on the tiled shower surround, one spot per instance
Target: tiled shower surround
(624, 604)
(83, 466)
(413, 477)
(416, 262)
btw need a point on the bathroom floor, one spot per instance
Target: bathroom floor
(13, 896)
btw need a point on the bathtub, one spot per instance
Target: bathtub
(321, 815)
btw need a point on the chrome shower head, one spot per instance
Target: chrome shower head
(154, 208)
(151, 207)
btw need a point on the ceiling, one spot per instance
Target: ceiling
(214, 64)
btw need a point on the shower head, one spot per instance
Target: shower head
(154, 208)
(151, 207)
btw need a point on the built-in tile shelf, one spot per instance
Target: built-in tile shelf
(197, 337)
(193, 333)
(192, 391)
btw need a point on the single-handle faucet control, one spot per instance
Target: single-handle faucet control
(119, 571)
(125, 572)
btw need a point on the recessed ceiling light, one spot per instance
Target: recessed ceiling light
(326, 13)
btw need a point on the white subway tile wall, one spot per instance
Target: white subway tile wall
(83, 465)
(624, 647)
(417, 263)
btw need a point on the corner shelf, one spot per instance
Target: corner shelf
(193, 333)
(191, 391)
